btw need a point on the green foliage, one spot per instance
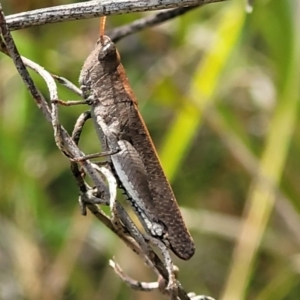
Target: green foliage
(219, 91)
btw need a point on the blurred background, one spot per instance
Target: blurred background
(219, 91)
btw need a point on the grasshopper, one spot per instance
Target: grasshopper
(125, 139)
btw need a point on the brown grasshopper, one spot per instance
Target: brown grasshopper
(125, 138)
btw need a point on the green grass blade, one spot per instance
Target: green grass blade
(203, 86)
(261, 199)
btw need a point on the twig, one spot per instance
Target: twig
(123, 31)
(134, 284)
(93, 9)
(10, 49)
(68, 84)
(199, 297)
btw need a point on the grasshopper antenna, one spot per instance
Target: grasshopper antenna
(102, 29)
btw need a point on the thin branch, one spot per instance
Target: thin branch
(8, 47)
(149, 21)
(132, 283)
(93, 9)
(199, 297)
(68, 84)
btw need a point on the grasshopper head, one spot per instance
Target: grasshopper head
(107, 51)
(108, 56)
(101, 62)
